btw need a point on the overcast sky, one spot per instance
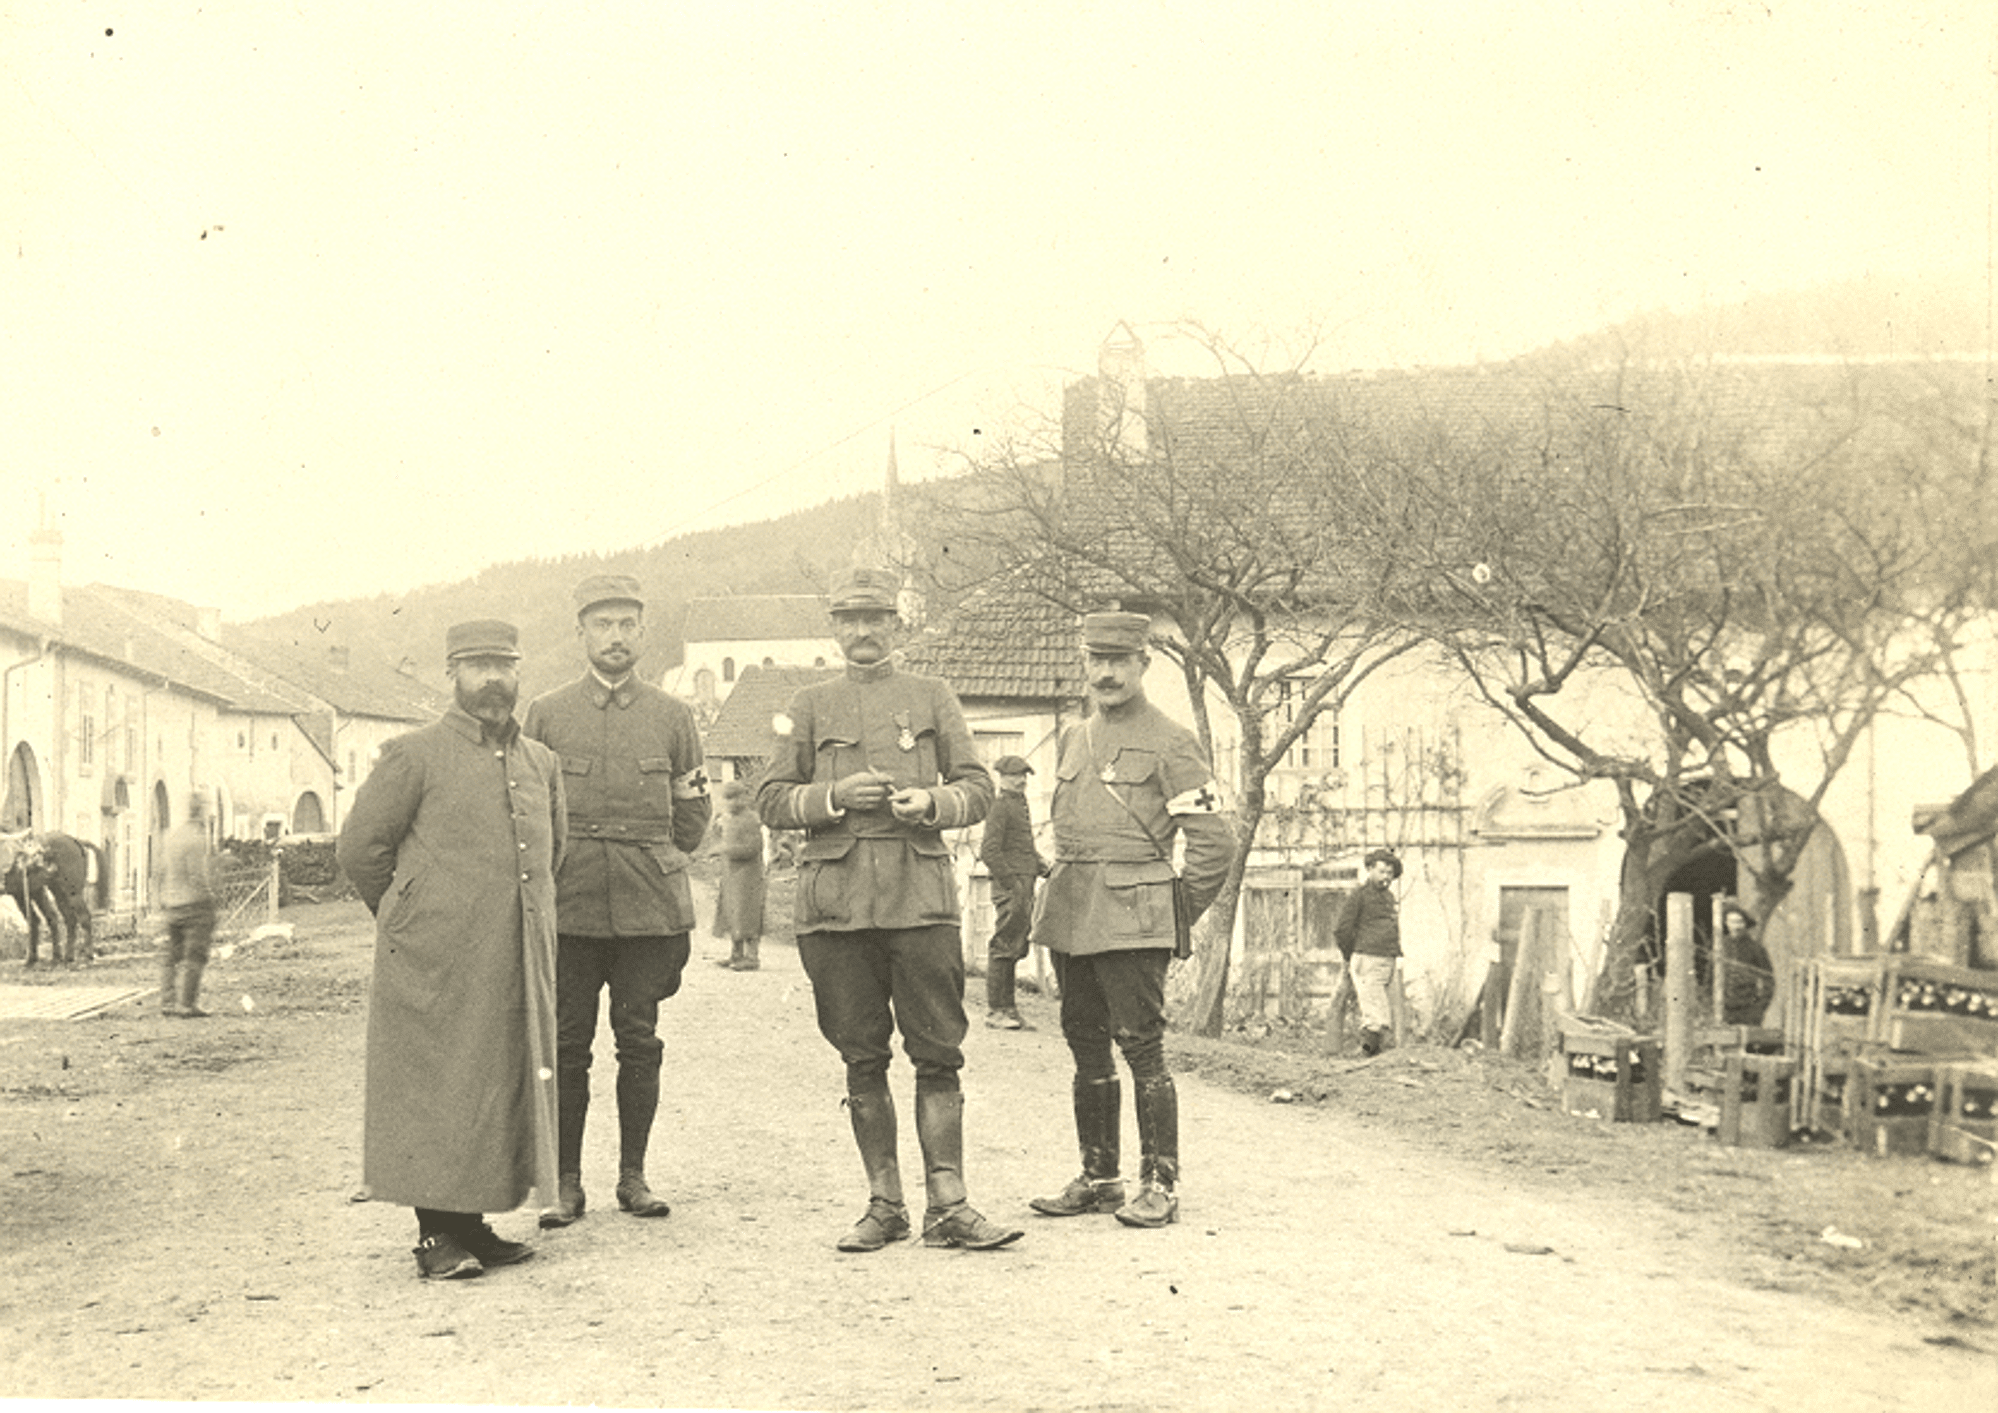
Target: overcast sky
(326, 299)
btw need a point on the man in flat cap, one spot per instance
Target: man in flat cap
(874, 766)
(638, 806)
(452, 842)
(1014, 865)
(1369, 936)
(1115, 912)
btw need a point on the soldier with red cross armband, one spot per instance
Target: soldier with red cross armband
(633, 774)
(1115, 911)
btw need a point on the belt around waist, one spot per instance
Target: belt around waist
(625, 832)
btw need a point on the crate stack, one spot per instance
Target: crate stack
(1897, 1053)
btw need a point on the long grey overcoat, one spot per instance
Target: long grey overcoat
(452, 842)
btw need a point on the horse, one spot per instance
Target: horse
(49, 876)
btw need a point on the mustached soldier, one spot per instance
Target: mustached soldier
(1128, 780)
(874, 766)
(638, 806)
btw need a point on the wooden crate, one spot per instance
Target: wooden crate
(1964, 1126)
(1755, 1101)
(1614, 1077)
(1888, 1103)
(1932, 1008)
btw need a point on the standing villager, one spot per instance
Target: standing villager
(1114, 912)
(452, 842)
(1748, 983)
(638, 806)
(739, 911)
(1369, 936)
(186, 890)
(874, 766)
(1015, 866)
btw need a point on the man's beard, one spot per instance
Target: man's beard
(492, 702)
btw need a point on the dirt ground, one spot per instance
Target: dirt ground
(1428, 1230)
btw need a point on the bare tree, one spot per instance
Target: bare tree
(1748, 554)
(1237, 508)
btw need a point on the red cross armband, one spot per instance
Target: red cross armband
(691, 786)
(1201, 799)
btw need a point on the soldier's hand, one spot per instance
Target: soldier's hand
(863, 790)
(911, 806)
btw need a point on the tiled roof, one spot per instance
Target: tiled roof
(741, 730)
(300, 676)
(97, 622)
(354, 684)
(1002, 641)
(755, 618)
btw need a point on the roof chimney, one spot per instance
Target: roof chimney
(45, 568)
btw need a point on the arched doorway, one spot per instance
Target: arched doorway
(307, 817)
(1813, 919)
(22, 807)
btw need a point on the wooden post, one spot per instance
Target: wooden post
(277, 884)
(1717, 961)
(1525, 980)
(1491, 1006)
(1398, 1006)
(1678, 989)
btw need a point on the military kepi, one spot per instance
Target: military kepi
(863, 590)
(1115, 632)
(607, 588)
(482, 637)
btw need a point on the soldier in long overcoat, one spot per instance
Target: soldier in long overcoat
(452, 842)
(874, 765)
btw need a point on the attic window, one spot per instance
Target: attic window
(728, 669)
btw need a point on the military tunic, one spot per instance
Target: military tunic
(1125, 784)
(862, 870)
(452, 842)
(638, 805)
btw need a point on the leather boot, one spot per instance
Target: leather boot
(637, 1103)
(887, 1216)
(950, 1220)
(169, 989)
(1370, 1041)
(1098, 1118)
(572, 1107)
(190, 988)
(748, 961)
(1157, 1202)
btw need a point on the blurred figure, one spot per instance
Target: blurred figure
(185, 886)
(739, 914)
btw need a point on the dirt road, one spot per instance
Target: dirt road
(178, 1224)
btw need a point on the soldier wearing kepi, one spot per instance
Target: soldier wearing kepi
(452, 842)
(638, 806)
(1128, 780)
(874, 766)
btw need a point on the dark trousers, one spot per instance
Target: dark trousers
(1013, 905)
(639, 972)
(190, 933)
(866, 983)
(1114, 997)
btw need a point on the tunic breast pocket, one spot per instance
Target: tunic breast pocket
(656, 772)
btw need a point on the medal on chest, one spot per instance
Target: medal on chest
(907, 737)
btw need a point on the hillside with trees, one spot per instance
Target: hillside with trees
(793, 554)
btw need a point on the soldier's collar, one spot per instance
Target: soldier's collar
(602, 691)
(870, 671)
